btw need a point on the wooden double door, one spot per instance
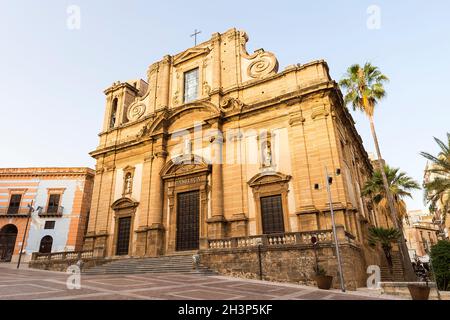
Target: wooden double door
(188, 221)
(272, 214)
(123, 236)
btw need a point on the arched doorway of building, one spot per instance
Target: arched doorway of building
(46, 244)
(8, 235)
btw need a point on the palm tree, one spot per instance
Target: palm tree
(384, 237)
(364, 88)
(437, 190)
(400, 186)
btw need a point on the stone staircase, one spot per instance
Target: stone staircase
(397, 272)
(179, 263)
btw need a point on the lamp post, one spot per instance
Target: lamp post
(30, 211)
(328, 180)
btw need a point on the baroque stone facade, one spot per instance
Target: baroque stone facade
(218, 144)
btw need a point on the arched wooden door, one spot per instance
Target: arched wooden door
(8, 235)
(46, 244)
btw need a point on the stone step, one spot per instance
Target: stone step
(178, 263)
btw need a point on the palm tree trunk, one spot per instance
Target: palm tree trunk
(409, 272)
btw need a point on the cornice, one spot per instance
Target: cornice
(295, 95)
(46, 171)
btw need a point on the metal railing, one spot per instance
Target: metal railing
(54, 211)
(14, 211)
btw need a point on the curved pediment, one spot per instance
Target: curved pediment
(184, 165)
(124, 203)
(167, 117)
(268, 178)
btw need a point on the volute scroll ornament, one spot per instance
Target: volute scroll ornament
(229, 104)
(136, 111)
(261, 63)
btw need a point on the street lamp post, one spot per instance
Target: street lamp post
(31, 210)
(338, 255)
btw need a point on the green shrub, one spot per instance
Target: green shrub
(440, 259)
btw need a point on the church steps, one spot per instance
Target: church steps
(180, 263)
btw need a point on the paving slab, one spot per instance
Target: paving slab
(24, 284)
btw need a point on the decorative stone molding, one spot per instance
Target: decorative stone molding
(124, 203)
(261, 63)
(296, 119)
(184, 165)
(320, 111)
(190, 54)
(136, 111)
(268, 178)
(229, 104)
(206, 87)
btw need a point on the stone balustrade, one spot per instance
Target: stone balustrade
(67, 255)
(283, 239)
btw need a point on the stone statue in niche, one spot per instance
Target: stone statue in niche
(187, 149)
(128, 183)
(267, 154)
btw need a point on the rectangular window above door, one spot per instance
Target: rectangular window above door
(191, 85)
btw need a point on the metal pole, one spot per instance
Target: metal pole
(433, 275)
(338, 255)
(25, 233)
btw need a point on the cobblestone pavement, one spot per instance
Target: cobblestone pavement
(48, 285)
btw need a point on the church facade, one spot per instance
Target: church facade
(218, 144)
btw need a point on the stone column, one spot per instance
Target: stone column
(155, 234)
(217, 222)
(165, 81)
(141, 232)
(217, 63)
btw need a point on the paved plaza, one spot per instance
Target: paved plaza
(48, 285)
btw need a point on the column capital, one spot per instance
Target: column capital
(160, 154)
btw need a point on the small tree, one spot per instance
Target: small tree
(384, 237)
(440, 259)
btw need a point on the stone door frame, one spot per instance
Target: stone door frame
(123, 208)
(183, 174)
(270, 184)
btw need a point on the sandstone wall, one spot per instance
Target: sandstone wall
(289, 264)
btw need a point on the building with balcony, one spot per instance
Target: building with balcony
(421, 232)
(218, 150)
(61, 200)
(441, 216)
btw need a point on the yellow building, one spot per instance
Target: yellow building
(217, 148)
(440, 216)
(421, 233)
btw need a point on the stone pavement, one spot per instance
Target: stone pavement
(48, 285)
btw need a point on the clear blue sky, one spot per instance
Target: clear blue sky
(52, 78)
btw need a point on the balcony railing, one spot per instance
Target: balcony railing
(52, 211)
(14, 211)
(282, 239)
(66, 255)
